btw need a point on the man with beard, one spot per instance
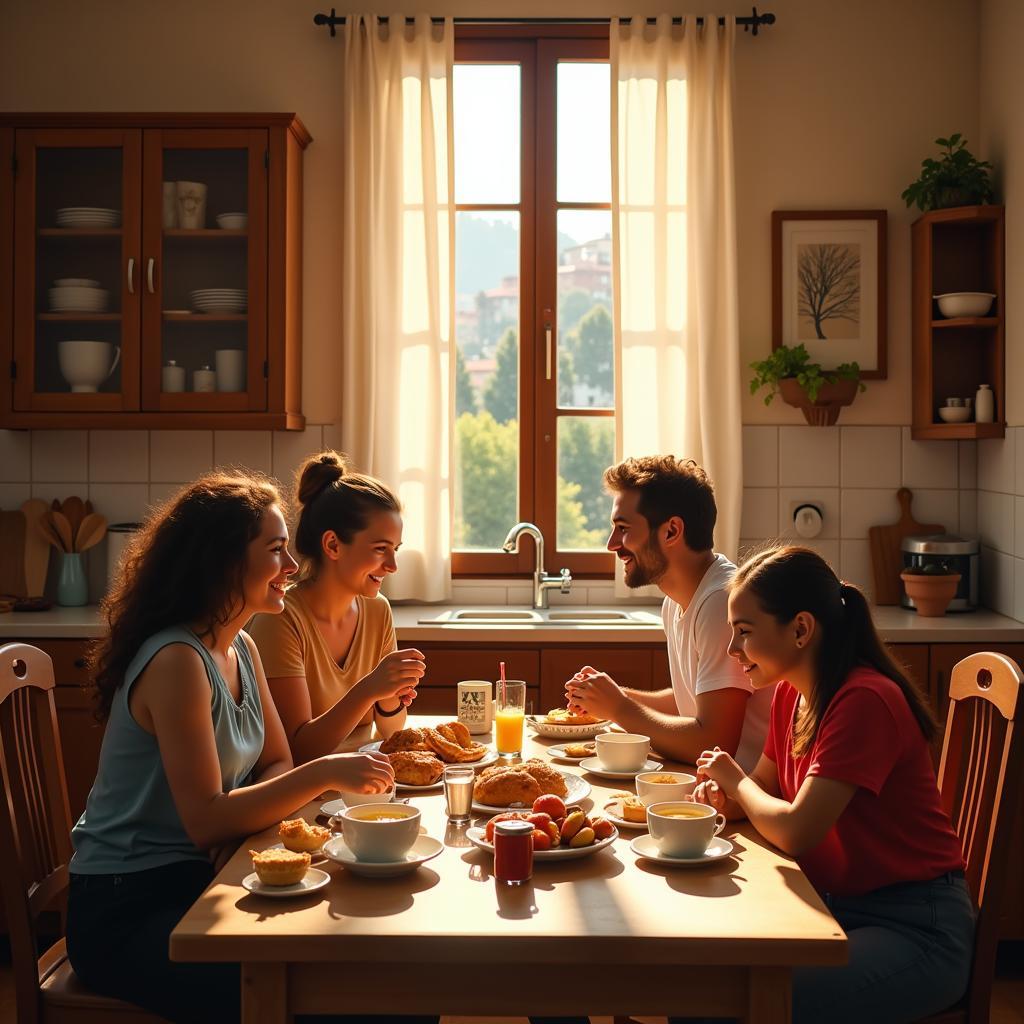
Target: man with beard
(663, 520)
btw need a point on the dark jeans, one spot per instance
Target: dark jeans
(117, 935)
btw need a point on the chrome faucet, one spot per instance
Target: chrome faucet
(542, 582)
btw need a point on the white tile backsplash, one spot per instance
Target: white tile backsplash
(855, 565)
(332, 436)
(15, 456)
(1018, 528)
(995, 520)
(937, 508)
(1018, 588)
(863, 508)
(929, 463)
(997, 580)
(760, 512)
(180, 454)
(870, 456)
(160, 492)
(808, 456)
(827, 500)
(290, 447)
(59, 455)
(969, 513)
(120, 503)
(968, 458)
(246, 449)
(14, 495)
(48, 490)
(119, 456)
(1018, 446)
(760, 456)
(997, 470)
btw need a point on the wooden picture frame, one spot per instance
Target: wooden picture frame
(829, 286)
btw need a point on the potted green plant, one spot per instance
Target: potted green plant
(955, 179)
(931, 587)
(818, 393)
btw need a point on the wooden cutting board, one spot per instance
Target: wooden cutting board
(886, 555)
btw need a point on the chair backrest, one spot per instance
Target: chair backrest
(35, 822)
(980, 782)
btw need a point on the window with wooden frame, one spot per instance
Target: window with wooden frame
(535, 389)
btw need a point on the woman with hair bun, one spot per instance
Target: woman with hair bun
(331, 658)
(846, 786)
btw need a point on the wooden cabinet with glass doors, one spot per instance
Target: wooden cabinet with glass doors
(156, 270)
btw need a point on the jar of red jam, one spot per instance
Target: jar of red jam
(513, 851)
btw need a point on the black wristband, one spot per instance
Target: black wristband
(387, 714)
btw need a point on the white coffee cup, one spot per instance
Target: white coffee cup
(380, 832)
(85, 365)
(622, 751)
(170, 208)
(230, 367)
(191, 204)
(651, 791)
(683, 828)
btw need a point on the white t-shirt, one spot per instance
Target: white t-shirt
(698, 657)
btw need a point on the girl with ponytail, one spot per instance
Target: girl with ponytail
(846, 786)
(331, 657)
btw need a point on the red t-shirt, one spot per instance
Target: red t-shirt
(894, 828)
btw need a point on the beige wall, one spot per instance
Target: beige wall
(836, 105)
(1002, 136)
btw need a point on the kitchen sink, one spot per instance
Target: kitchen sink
(615, 617)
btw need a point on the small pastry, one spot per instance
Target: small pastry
(299, 836)
(563, 716)
(580, 749)
(633, 809)
(280, 867)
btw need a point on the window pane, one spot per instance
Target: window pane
(586, 447)
(586, 368)
(486, 111)
(584, 133)
(487, 378)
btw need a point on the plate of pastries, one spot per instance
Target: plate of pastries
(419, 755)
(563, 724)
(519, 785)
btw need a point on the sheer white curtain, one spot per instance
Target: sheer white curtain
(397, 230)
(674, 262)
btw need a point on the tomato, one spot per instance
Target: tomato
(504, 816)
(549, 804)
(539, 820)
(541, 840)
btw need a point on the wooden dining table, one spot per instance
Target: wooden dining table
(607, 934)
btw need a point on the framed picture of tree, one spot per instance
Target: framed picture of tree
(829, 286)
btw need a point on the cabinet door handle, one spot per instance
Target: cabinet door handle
(547, 344)
(131, 275)
(149, 274)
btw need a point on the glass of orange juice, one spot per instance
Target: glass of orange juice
(510, 710)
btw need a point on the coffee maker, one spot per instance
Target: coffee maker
(958, 554)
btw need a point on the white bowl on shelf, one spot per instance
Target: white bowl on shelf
(77, 300)
(964, 303)
(233, 221)
(954, 413)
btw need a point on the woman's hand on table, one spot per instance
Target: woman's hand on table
(708, 792)
(358, 773)
(721, 768)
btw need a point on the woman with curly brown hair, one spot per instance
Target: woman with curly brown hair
(331, 657)
(194, 756)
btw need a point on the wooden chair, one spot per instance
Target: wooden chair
(980, 781)
(35, 848)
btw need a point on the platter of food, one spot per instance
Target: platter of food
(562, 724)
(419, 755)
(504, 786)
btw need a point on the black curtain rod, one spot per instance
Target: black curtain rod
(750, 23)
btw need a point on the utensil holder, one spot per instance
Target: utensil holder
(72, 586)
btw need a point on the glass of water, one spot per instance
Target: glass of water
(458, 792)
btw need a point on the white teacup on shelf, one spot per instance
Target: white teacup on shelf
(85, 365)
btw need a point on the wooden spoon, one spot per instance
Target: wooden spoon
(63, 528)
(46, 529)
(91, 532)
(74, 511)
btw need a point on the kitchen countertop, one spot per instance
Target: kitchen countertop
(897, 625)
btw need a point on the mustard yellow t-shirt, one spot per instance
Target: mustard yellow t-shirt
(291, 644)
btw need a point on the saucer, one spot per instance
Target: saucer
(558, 753)
(315, 879)
(618, 821)
(594, 766)
(333, 807)
(645, 846)
(425, 848)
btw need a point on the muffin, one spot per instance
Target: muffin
(633, 809)
(280, 867)
(299, 836)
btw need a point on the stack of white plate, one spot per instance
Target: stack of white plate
(77, 295)
(88, 217)
(220, 300)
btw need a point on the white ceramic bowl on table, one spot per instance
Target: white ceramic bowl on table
(651, 790)
(380, 832)
(623, 751)
(964, 303)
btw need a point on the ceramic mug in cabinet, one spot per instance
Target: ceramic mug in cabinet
(85, 365)
(191, 204)
(230, 368)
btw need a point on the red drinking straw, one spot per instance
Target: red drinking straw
(501, 669)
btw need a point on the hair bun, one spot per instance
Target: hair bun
(319, 472)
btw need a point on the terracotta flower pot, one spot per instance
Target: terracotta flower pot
(824, 410)
(931, 594)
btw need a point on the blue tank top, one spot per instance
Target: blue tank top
(130, 822)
